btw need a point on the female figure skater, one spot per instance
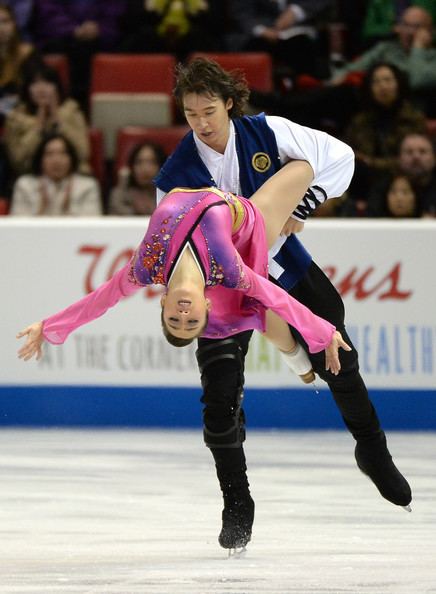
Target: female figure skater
(200, 244)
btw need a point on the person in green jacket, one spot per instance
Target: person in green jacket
(381, 16)
(411, 50)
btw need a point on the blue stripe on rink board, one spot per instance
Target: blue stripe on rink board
(101, 406)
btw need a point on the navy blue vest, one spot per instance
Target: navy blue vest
(259, 159)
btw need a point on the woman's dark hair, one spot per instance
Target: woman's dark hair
(174, 340)
(37, 70)
(159, 154)
(39, 153)
(205, 77)
(400, 77)
(385, 211)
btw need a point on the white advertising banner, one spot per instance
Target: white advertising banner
(384, 270)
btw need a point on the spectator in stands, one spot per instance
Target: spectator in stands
(287, 30)
(78, 28)
(348, 21)
(23, 11)
(330, 104)
(416, 162)
(375, 132)
(411, 51)
(55, 188)
(400, 200)
(135, 193)
(13, 54)
(44, 109)
(417, 159)
(381, 15)
(173, 26)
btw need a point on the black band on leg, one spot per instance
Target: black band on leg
(232, 438)
(207, 354)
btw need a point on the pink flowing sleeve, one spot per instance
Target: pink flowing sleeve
(58, 327)
(316, 331)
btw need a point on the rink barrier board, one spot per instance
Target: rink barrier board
(119, 371)
(169, 407)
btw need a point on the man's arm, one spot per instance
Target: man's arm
(331, 159)
(421, 67)
(245, 17)
(375, 54)
(302, 12)
(313, 8)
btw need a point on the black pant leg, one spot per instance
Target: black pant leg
(348, 388)
(221, 365)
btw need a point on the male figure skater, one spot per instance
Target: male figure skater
(238, 153)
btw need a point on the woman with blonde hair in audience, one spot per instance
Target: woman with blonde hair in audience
(13, 53)
(55, 188)
(44, 109)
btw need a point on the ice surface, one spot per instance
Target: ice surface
(138, 512)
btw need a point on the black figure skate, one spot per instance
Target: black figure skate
(237, 517)
(374, 460)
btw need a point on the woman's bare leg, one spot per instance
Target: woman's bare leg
(278, 197)
(277, 331)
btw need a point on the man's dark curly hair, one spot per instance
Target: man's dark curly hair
(206, 77)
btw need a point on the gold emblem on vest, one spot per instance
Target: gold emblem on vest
(261, 162)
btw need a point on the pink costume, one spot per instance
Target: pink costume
(227, 236)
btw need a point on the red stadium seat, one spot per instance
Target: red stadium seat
(59, 62)
(132, 73)
(431, 128)
(130, 136)
(112, 111)
(130, 90)
(97, 160)
(4, 206)
(257, 66)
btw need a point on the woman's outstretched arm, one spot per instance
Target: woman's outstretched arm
(318, 333)
(56, 328)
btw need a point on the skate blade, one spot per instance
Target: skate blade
(407, 508)
(237, 553)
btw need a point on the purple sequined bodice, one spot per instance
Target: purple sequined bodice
(200, 217)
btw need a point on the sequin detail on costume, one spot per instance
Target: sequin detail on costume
(151, 257)
(173, 223)
(243, 282)
(216, 275)
(150, 264)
